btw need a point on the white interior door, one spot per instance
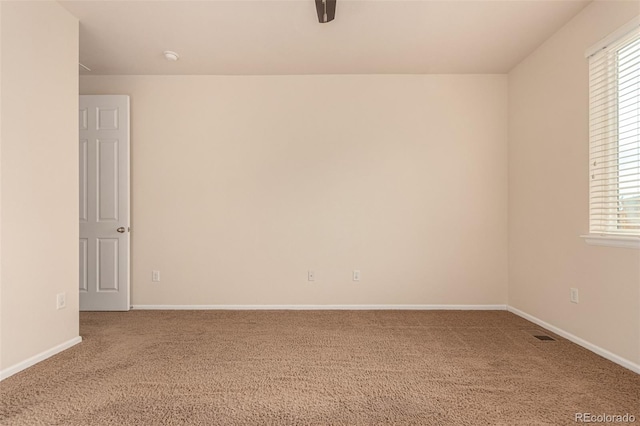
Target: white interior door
(104, 203)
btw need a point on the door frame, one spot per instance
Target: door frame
(91, 180)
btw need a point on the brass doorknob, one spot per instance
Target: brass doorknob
(121, 230)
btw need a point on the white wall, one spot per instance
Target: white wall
(242, 184)
(39, 179)
(548, 194)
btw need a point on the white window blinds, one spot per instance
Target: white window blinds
(614, 136)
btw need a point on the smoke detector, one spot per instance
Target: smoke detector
(171, 56)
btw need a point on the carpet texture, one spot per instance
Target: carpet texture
(316, 368)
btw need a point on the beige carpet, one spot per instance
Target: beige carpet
(316, 367)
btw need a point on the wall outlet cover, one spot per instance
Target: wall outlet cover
(61, 301)
(574, 295)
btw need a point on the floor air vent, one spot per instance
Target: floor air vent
(542, 337)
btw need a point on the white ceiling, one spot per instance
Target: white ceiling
(284, 37)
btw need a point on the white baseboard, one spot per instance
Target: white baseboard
(578, 341)
(323, 307)
(10, 371)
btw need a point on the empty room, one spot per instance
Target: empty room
(323, 212)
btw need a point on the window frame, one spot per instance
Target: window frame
(604, 236)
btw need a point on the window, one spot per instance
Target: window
(614, 134)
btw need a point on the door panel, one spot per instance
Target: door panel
(107, 273)
(84, 124)
(104, 203)
(107, 118)
(107, 180)
(83, 264)
(84, 201)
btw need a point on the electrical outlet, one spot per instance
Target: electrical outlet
(61, 301)
(155, 276)
(356, 275)
(311, 276)
(574, 295)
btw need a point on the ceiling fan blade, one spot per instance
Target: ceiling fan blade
(328, 7)
(331, 10)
